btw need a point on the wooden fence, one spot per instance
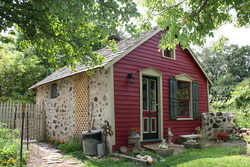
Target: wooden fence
(34, 119)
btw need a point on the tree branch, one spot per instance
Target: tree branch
(170, 7)
(201, 8)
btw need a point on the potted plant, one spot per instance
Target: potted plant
(134, 137)
(134, 132)
(191, 143)
(164, 150)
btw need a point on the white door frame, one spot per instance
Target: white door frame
(154, 73)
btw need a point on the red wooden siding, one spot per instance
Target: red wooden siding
(127, 96)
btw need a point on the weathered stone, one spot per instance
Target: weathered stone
(211, 121)
(219, 114)
(54, 121)
(218, 121)
(95, 99)
(105, 98)
(215, 125)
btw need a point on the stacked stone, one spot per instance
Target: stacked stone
(245, 132)
(212, 123)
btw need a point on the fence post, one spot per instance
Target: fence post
(27, 124)
(43, 124)
(21, 151)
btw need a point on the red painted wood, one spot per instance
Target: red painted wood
(127, 96)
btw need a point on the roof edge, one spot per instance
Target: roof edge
(199, 64)
(34, 87)
(106, 66)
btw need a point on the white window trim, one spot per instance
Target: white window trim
(187, 78)
(173, 54)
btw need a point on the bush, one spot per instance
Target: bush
(9, 147)
(71, 146)
(239, 104)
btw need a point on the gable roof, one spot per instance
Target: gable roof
(124, 47)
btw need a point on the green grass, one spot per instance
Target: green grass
(205, 157)
(209, 157)
(110, 162)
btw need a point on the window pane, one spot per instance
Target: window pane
(183, 107)
(153, 95)
(183, 90)
(167, 53)
(145, 93)
(145, 123)
(54, 91)
(153, 125)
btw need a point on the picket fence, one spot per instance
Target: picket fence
(34, 119)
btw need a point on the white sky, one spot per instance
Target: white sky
(240, 36)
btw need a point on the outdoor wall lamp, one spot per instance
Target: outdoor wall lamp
(130, 78)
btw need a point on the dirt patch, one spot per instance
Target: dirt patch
(45, 155)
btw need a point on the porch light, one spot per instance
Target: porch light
(130, 78)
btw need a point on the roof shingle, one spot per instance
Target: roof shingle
(123, 46)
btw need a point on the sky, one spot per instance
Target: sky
(240, 36)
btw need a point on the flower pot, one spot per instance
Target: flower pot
(164, 152)
(192, 145)
(134, 134)
(135, 138)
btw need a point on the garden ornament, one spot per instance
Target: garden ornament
(170, 136)
(107, 131)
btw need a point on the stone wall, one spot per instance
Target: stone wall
(213, 123)
(59, 111)
(66, 115)
(98, 98)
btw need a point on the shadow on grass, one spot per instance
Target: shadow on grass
(213, 156)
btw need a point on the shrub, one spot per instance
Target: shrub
(9, 147)
(71, 146)
(239, 104)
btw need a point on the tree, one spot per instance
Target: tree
(17, 74)
(191, 21)
(67, 30)
(226, 67)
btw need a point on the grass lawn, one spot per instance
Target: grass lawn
(206, 157)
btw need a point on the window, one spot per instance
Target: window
(183, 98)
(54, 91)
(170, 54)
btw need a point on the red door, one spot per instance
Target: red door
(150, 107)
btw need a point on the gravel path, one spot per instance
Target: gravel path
(45, 155)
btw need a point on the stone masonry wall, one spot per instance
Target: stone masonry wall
(59, 111)
(213, 123)
(98, 98)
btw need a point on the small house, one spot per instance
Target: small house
(136, 87)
